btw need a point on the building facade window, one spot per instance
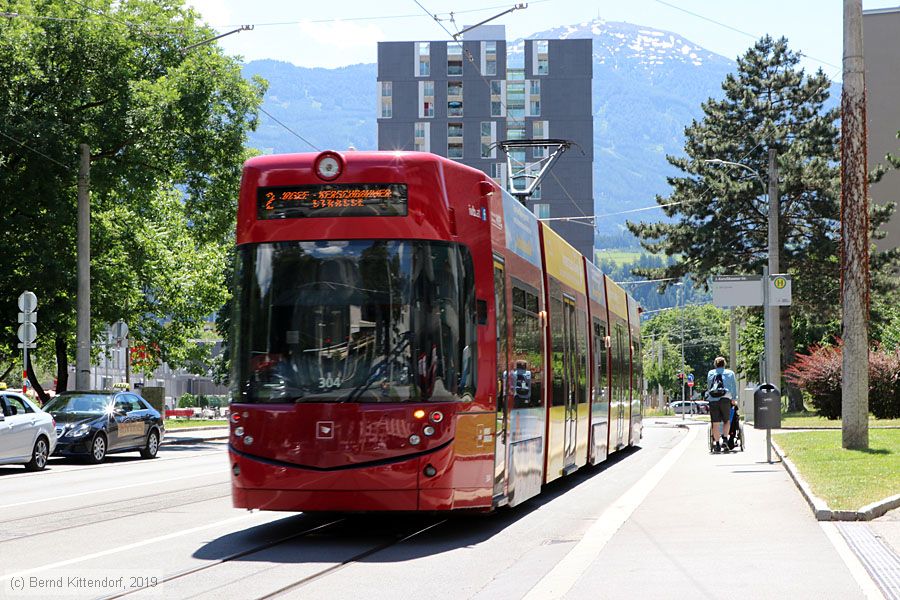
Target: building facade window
(423, 59)
(454, 140)
(385, 99)
(541, 210)
(540, 57)
(497, 172)
(488, 58)
(422, 137)
(540, 131)
(533, 98)
(498, 98)
(426, 99)
(454, 99)
(454, 58)
(488, 139)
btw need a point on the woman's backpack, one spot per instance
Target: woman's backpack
(718, 389)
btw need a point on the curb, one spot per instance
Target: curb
(820, 507)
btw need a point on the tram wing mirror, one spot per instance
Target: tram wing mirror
(481, 312)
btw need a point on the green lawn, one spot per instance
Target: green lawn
(805, 419)
(846, 479)
(180, 423)
(619, 256)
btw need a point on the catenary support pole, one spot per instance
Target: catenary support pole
(83, 316)
(854, 237)
(773, 347)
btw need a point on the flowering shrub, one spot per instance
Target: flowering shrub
(819, 374)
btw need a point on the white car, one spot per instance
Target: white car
(27, 434)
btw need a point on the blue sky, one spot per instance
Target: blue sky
(342, 32)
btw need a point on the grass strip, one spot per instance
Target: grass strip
(846, 479)
(808, 419)
(181, 423)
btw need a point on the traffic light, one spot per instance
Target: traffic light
(680, 376)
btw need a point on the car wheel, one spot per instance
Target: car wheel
(98, 449)
(39, 455)
(152, 447)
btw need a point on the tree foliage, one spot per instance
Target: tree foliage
(720, 212)
(166, 130)
(705, 338)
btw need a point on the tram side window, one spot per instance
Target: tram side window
(558, 357)
(581, 356)
(527, 352)
(638, 369)
(616, 371)
(600, 382)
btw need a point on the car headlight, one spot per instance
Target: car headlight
(79, 431)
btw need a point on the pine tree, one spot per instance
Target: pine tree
(719, 213)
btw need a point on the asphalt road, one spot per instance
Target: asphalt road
(170, 521)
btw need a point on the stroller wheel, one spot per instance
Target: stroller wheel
(741, 435)
(709, 439)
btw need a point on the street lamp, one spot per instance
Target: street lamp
(772, 320)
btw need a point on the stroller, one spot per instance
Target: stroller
(735, 437)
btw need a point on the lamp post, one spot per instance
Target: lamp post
(772, 320)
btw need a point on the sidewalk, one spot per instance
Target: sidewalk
(725, 525)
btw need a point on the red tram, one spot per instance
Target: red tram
(410, 338)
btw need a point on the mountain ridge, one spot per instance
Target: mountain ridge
(648, 85)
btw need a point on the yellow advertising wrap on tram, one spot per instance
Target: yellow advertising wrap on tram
(563, 261)
(616, 298)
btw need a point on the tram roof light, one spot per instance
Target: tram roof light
(329, 165)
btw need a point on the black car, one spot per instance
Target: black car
(94, 424)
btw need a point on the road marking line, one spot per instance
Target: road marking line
(72, 561)
(112, 489)
(560, 579)
(869, 588)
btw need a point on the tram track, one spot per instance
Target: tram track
(234, 556)
(395, 539)
(353, 559)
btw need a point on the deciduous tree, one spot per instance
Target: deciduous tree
(719, 214)
(167, 131)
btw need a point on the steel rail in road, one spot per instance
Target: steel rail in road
(353, 559)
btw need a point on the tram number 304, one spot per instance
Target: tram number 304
(329, 382)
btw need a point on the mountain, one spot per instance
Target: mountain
(648, 85)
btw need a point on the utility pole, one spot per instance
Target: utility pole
(854, 237)
(683, 374)
(83, 316)
(773, 343)
(659, 387)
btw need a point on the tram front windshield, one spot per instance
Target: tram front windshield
(355, 321)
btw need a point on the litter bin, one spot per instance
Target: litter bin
(766, 407)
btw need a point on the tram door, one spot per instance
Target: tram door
(503, 381)
(621, 381)
(570, 368)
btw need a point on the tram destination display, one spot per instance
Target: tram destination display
(332, 200)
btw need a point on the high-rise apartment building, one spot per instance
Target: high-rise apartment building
(882, 57)
(457, 99)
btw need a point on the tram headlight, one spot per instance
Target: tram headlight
(414, 439)
(428, 430)
(239, 431)
(429, 471)
(248, 440)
